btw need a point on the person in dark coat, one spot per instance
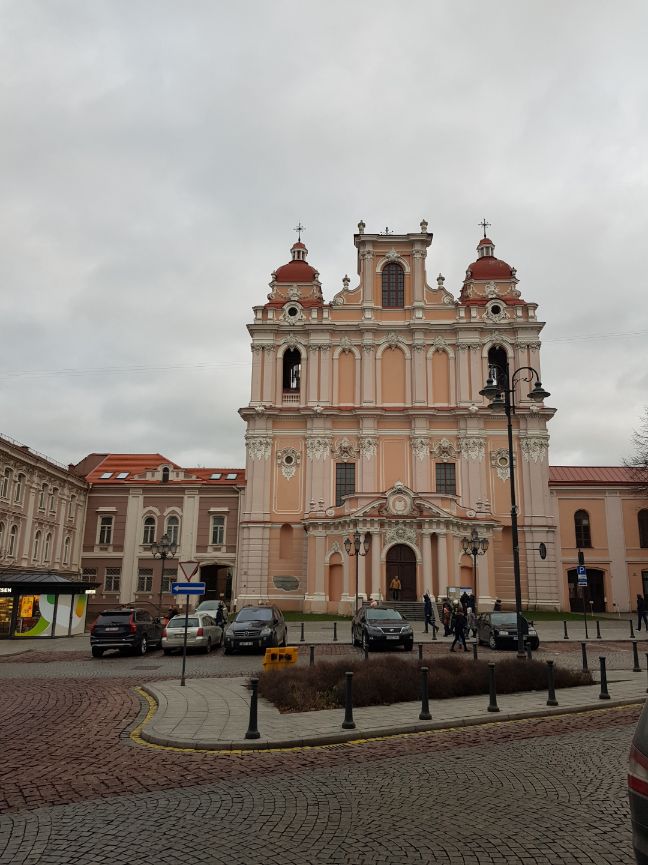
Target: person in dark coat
(463, 600)
(641, 612)
(447, 613)
(472, 602)
(459, 629)
(497, 606)
(428, 609)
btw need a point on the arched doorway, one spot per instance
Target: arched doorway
(401, 562)
(595, 591)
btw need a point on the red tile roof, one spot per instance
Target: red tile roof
(591, 475)
(137, 464)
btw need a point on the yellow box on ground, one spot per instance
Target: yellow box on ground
(279, 657)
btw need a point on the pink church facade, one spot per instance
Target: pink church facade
(365, 415)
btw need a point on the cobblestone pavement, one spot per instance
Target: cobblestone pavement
(74, 788)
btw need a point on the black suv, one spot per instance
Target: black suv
(256, 628)
(381, 626)
(129, 630)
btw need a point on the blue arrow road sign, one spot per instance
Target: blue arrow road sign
(188, 588)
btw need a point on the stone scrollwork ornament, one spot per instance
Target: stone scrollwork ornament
(421, 447)
(534, 448)
(288, 459)
(500, 461)
(259, 447)
(346, 345)
(400, 533)
(444, 451)
(473, 448)
(368, 447)
(345, 451)
(318, 448)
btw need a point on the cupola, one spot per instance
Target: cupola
(298, 269)
(487, 266)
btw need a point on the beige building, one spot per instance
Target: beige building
(366, 414)
(134, 500)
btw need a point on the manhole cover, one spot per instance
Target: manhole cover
(147, 668)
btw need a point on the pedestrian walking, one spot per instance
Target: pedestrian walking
(641, 612)
(472, 602)
(459, 630)
(428, 609)
(395, 588)
(447, 613)
(471, 621)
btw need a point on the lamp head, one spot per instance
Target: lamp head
(538, 394)
(366, 544)
(491, 390)
(483, 543)
(498, 403)
(347, 545)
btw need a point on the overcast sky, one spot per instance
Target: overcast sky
(155, 156)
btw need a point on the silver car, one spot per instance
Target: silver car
(202, 633)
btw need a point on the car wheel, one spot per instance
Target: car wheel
(208, 647)
(227, 651)
(167, 651)
(535, 645)
(408, 646)
(143, 646)
(492, 642)
(97, 653)
(365, 643)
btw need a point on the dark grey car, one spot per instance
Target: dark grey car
(256, 628)
(381, 626)
(638, 788)
(129, 630)
(500, 629)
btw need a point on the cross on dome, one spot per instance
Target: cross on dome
(299, 228)
(484, 225)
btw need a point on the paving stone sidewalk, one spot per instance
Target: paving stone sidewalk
(214, 714)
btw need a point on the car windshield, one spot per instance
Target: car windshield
(254, 614)
(119, 617)
(209, 605)
(180, 623)
(509, 619)
(383, 614)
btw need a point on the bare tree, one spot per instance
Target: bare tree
(638, 462)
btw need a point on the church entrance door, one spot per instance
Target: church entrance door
(401, 562)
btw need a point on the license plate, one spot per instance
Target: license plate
(112, 629)
(390, 637)
(249, 643)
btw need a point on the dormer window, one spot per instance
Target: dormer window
(165, 475)
(393, 286)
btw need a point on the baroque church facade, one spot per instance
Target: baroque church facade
(366, 416)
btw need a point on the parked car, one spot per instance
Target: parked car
(202, 633)
(638, 788)
(381, 626)
(256, 628)
(500, 629)
(211, 608)
(129, 630)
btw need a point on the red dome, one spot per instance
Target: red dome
(295, 271)
(490, 267)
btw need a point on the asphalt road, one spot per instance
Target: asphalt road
(74, 788)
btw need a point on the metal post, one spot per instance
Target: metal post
(184, 642)
(365, 649)
(604, 695)
(585, 611)
(434, 629)
(492, 704)
(551, 689)
(252, 732)
(529, 651)
(646, 668)
(565, 635)
(424, 714)
(348, 723)
(301, 639)
(514, 520)
(420, 651)
(632, 633)
(584, 656)
(474, 645)
(635, 657)
(598, 630)
(312, 655)
(335, 632)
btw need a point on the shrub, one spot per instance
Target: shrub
(388, 680)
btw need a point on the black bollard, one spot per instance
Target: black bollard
(632, 633)
(424, 714)
(635, 657)
(301, 639)
(604, 695)
(348, 723)
(551, 689)
(566, 635)
(492, 704)
(646, 668)
(598, 630)
(312, 655)
(529, 651)
(335, 632)
(420, 651)
(365, 649)
(584, 656)
(474, 650)
(252, 731)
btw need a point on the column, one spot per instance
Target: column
(361, 572)
(325, 374)
(442, 562)
(376, 575)
(257, 354)
(426, 551)
(368, 374)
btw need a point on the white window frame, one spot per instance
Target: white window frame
(146, 525)
(13, 542)
(71, 507)
(41, 497)
(66, 550)
(6, 483)
(212, 526)
(47, 547)
(109, 579)
(175, 536)
(144, 577)
(18, 488)
(100, 527)
(36, 546)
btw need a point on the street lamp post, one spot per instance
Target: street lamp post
(474, 546)
(353, 548)
(500, 390)
(163, 549)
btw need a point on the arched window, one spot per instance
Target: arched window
(165, 475)
(71, 508)
(66, 550)
(393, 282)
(5, 485)
(36, 549)
(642, 519)
(47, 547)
(173, 529)
(52, 499)
(149, 530)
(41, 497)
(2, 531)
(291, 370)
(582, 529)
(13, 540)
(497, 362)
(19, 488)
